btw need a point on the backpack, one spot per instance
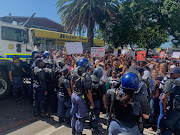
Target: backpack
(175, 98)
(173, 86)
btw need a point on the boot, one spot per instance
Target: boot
(73, 131)
(61, 121)
(68, 121)
(96, 131)
(36, 113)
(45, 116)
(79, 133)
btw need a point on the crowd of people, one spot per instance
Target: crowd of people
(133, 94)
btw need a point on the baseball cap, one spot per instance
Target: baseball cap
(101, 63)
(174, 70)
(172, 66)
(97, 61)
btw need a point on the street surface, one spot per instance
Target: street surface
(16, 118)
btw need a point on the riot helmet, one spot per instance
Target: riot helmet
(98, 72)
(34, 53)
(45, 55)
(83, 62)
(130, 81)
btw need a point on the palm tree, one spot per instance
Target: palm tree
(79, 15)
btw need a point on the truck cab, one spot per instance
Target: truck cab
(14, 40)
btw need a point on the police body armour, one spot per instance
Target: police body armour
(173, 86)
(95, 87)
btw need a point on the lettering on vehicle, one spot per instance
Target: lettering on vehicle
(67, 36)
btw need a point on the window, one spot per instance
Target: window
(34, 26)
(40, 27)
(53, 29)
(48, 28)
(14, 34)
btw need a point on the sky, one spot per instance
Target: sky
(42, 8)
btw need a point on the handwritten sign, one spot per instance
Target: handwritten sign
(115, 51)
(140, 55)
(162, 54)
(74, 47)
(176, 55)
(130, 54)
(125, 51)
(106, 46)
(98, 51)
(169, 50)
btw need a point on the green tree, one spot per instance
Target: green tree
(136, 18)
(81, 15)
(124, 28)
(168, 16)
(152, 37)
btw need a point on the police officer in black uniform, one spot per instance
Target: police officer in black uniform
(171, 103)
(39, 88)
(64, 96)
(125, 106)
(98, 94)
(50, 97)
(16, 76)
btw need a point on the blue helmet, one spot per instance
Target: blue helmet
(83, 62)
(98, 72)
(130, 81)
(34, 53)
(46, 55)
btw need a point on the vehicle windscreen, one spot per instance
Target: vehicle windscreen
(14, 34)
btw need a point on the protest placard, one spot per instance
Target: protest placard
(162, 54)
(106, 46)
(176, 54)
(74, 47)
(115, 51)
(98, 51)
(130, 54)
(169, 50)
(124, 51)
(140, 55)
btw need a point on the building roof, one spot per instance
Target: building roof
(36, 21)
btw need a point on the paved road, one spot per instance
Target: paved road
(16, 118)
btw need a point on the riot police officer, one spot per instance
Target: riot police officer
(50, 97)
(125, 106)
(16, 76)
(81, 82)
(39, 88)
(171, 103)
(98, 94)
(64, 96)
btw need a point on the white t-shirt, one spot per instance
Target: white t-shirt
(104, 77)
(147, 75)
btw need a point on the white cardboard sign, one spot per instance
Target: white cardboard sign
(98, 51)
(130, 54)
(125, 51)
(176, 54)
(74, 47)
